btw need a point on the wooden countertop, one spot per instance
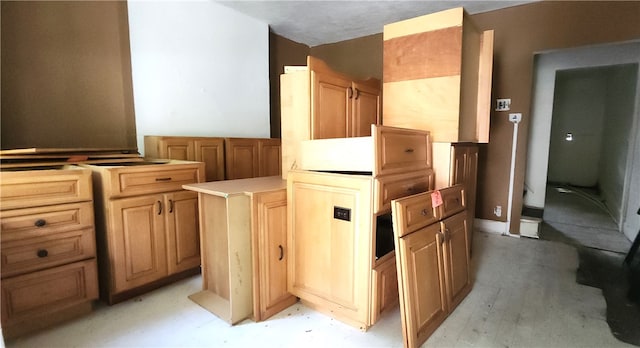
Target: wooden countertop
(226, 188)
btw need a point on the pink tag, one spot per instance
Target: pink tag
(436, 199)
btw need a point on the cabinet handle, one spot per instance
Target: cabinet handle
(159, 208)
(42, 253)
(409, 150)
(171, 206)
(350, 92)
(40, 222)
(357, 93)
(281, 253)
(163, 179)
(447, 235)
(440, 237)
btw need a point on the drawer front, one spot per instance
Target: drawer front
(137, 183)
(24, 189)
(395, 186)
(39, 253)
(415, 212)
(401, 150)
(453, 200)
(42, 293)
(32, 222)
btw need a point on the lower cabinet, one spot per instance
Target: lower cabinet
(244, 248)
(433, 261)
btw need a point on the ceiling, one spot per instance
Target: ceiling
(314, 22)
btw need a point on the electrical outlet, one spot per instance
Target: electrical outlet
(503, 104)
(497, 211)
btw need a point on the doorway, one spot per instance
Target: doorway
(606, 160)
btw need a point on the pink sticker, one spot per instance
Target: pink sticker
(436, 199)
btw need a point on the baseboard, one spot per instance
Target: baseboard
(490, 226)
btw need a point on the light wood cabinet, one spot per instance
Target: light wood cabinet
(432, 258)
(209, 150)
(319, 103)
(252, 157)
(244, 248)
(48, 247)
(147, 225)
(437, 76)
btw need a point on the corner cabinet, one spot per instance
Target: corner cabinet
(244, 248)
(437, 76)
(49, 269)
(209, 150)
(320, 103)
(433, 259)
(147, 226)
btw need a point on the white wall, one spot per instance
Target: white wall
(199, 69)
(542, 105)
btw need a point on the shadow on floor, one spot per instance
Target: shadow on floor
(618, 281)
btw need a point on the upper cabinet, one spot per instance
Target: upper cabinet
(437, 76)
(319, 103)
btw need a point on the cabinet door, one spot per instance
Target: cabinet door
(270, 157)
(465, 171)
(456, 255)
(241, 158)
(183, 237)
(331, 95)
(421, 283)
(366, 108)
(177, 148)
(137, 241)
(269, 237)
(211, 152)
(385, 288)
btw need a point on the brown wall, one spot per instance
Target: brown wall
(66, 75)
(520, 32)
(281, 52)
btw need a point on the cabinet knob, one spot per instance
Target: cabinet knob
(42, 253)
(40, 222)
(424, 212)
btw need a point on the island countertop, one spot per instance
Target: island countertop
(226, 188)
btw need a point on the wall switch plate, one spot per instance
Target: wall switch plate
(342, 213)
(503, 104)
(515, 117)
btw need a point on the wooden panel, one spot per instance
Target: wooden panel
(270, 157)
(44, 293)
(138, 252)
(472, 38)
(269, 238)
(414, 212)
(394, 186)
(180, 149)
(385, 288)
(423, 55)
(423, 301)
(429, 22)
(437, 111)
(484, 87)
(456, 257)
(211, 152)
(366, 108)
(183, 233)
(401, 150)
(295, 117)
(38, 253)
(329, 154)
(241, 158)
(18, 224)
(22, 189)
(330, 105)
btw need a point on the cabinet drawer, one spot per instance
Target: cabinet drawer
(43, 293)
(31, 222)
(145, 182)
(453, 201)
(23, 189)
(415, 212)
(32, 254)
(400, 185)
(401, 150)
